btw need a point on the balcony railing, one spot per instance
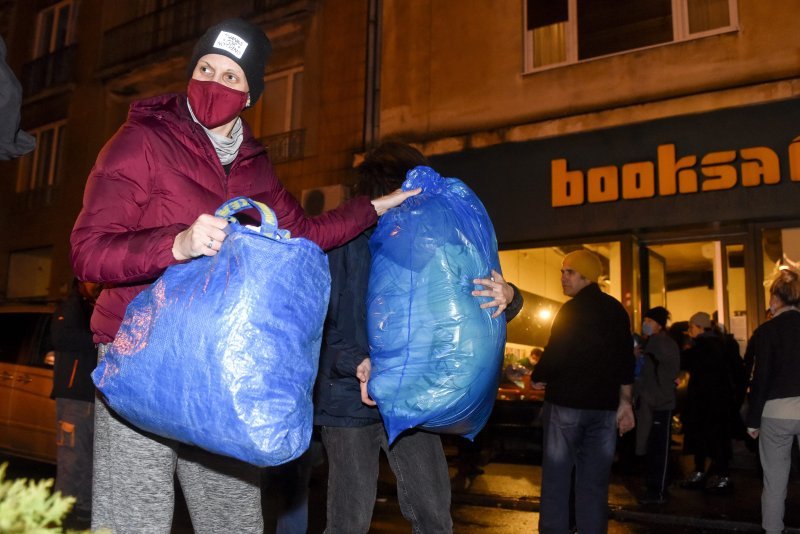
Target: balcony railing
(288, 146)
(173, 25)
(48, 71)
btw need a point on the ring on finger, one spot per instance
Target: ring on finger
(210, 243)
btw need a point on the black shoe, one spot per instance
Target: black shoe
(653, 497)
(695, 481)
(720, 486)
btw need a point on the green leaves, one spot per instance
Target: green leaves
(29, 506)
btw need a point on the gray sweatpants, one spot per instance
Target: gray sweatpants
(775, 439)
(133, 484)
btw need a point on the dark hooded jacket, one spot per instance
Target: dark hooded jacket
(76, 354)
(152, 180)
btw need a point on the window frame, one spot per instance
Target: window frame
(680, 33)
(42, 48)
(290, 75)
(29, 166)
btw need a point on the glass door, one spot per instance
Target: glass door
(705, 275)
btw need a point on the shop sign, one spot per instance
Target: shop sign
(670, 174)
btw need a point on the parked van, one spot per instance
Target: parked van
(27, 413)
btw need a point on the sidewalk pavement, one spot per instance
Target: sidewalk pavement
(518, 487)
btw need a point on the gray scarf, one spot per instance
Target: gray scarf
(227, 147)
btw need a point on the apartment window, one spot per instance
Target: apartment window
(39, 171)
(29, 273)
(277, 117)
(279, 109)
(560, 32)
(55, 28)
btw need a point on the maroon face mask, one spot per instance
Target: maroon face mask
(214, 104)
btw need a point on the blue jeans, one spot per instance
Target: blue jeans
(74, 436)
(418, 462)
(585, 440)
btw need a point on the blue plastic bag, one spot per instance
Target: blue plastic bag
(436, 356)
(222, 352)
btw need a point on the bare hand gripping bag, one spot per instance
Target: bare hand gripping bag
(222, 352)
(436, 355)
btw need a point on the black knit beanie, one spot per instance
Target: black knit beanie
(659, 314)
(244, 43)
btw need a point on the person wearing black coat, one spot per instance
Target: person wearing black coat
(73, 390)
(708, 416)
(774, 402)
(351, 427)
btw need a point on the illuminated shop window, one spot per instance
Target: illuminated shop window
(537, 274)
(567, 31)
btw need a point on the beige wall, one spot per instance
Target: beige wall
(455, 66)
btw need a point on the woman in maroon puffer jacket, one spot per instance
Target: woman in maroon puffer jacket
(147, 206)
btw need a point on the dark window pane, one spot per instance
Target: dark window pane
(44, 46)
(61, 29)
(22, 337)
(44, 152)
(609, 26)
(546, 12)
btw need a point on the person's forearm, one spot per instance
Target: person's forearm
(626, 394)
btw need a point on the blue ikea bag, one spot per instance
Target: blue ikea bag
(436, 355)
(222, 352)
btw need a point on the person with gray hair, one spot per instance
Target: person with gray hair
(774, 410)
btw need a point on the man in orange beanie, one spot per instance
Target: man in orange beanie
(587, 368)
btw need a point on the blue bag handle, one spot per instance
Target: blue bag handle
(269, 222)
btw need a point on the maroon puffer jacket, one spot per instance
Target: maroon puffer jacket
(152, 180)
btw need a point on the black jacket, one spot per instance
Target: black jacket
(337, 393)
(76, 354)
(589, 354)
(776, 375)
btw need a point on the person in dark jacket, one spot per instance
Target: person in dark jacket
(147, 206)
(655, 390)
(351, 426)
(774, 403)
(708, 416)
(587, 368)
(73, 390)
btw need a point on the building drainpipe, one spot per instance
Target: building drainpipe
(373, 75)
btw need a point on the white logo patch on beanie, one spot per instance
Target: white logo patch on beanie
(231, 43)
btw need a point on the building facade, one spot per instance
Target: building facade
(82, 62)
(660, 134)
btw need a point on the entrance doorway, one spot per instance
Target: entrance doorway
(704, 275)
